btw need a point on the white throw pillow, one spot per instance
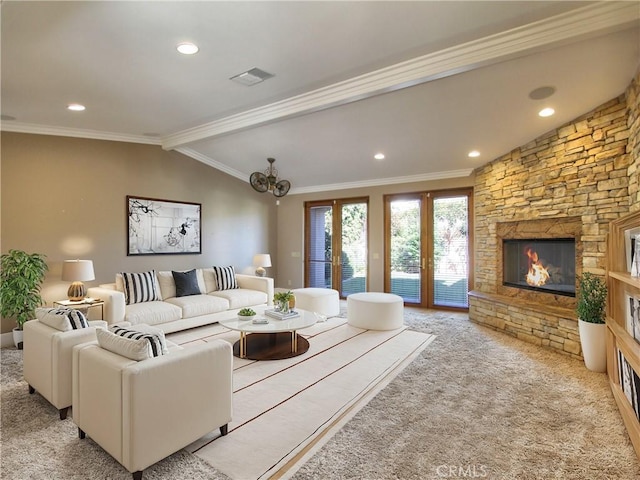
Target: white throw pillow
(132, 348)
(142, 328)
(62, 319)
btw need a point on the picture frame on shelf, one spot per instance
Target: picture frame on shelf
(632, 318)
(632, 250)
(157, 227)
(630, 383)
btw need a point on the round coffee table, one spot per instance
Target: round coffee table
(275, 340)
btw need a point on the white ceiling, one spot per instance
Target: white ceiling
(424, 82)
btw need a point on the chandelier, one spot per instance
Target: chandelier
(268, 181)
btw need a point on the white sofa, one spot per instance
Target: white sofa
(143, 411)
(173, 313)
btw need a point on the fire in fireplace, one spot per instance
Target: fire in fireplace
(545, 265)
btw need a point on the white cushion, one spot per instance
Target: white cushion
(196, 305)
(132, 348)
(209, 279)
(241, 297)
(62, 319)
(140, 287)
(126, 331)
(152, 313)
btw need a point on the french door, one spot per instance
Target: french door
(336, 245)
(428, 247)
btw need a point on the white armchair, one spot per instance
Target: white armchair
(143, 411)
(47, 359)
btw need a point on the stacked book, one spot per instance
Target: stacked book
(282, 315)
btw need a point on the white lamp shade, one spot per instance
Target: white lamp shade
(262, 260)
(77, 271)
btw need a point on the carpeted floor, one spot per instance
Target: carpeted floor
(480, 404)
(475, 404)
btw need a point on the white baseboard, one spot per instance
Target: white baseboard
(6, 340)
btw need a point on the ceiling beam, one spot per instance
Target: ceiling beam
(599, 18)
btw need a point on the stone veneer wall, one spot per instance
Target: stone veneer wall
(633, 147)
(588, 168)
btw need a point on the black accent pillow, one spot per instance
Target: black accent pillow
(186, 283)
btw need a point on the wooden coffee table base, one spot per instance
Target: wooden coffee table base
(271, 346)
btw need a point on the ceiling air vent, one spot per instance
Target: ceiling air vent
(251, 77)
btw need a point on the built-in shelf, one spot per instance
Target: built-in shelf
(621, 285)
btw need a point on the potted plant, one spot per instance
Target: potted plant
(590, 308)
(21, 277)
(284, 301)
(246, 314)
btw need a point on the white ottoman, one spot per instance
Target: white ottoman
(322, 300)
(375, 311)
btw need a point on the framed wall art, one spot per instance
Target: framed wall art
(158, 227)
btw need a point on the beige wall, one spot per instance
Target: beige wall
(65, 198)
(291, 227)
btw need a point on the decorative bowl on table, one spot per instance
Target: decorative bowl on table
(246, 314)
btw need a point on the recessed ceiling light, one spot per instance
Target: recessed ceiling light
(474, 153)
(187, 48)
(546, 112)
(379, 156)
(75, 107)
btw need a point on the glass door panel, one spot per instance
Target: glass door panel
(404, 255)
(353, 248)
(450, 251)
(320, 250)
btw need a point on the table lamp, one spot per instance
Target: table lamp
(77, 271)
(260, 261)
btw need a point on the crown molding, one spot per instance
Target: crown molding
(379, 182)
(77, 133)
(570, 26)
(213, 163)
(335, 186)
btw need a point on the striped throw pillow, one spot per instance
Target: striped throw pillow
(140, 287)
(63, 319)
(225, 278)
(157, 343)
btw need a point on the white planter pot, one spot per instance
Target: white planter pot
(17, 338)
(593, 338)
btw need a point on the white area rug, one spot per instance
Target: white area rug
(284, 410)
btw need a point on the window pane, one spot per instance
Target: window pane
(320, 251)
(354, 248)
(451, 246)
(405, 249)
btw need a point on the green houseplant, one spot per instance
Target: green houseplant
(590, 309)
(284, 300)
(21, 277)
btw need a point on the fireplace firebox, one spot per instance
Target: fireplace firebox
(544, 265)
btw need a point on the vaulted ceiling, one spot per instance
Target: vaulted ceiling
(423, 82)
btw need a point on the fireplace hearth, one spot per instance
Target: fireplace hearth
(545, 265)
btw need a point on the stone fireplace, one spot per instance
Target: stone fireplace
(567, 184)
(550, 246)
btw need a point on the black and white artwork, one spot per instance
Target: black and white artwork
(632, 250)
(630, 383)
(162, 227)
(632, 319)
